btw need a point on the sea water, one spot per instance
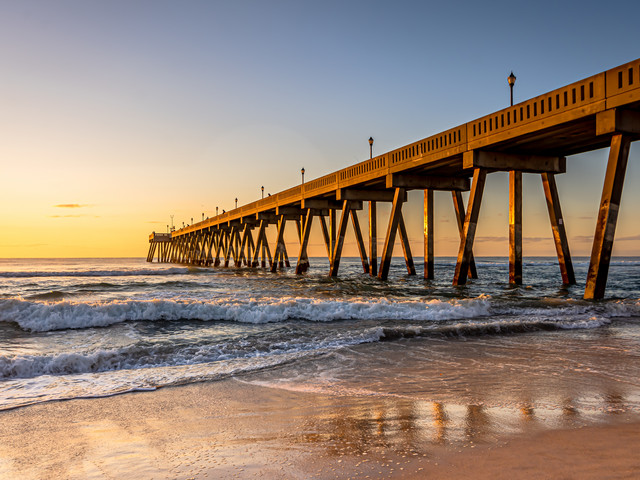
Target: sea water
(81, 328)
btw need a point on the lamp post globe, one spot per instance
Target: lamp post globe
(370, 147)
(512, 80)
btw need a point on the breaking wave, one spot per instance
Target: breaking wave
(47, 316)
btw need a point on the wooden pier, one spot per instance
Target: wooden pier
(534, 136)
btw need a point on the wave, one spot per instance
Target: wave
(143, 355)
(100, 273)
(53, 296)
(36, 316)
(42, 317)
(23, 391)
(500, 327)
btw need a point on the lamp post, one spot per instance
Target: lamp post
(216, 211)
(236, 202)
(203, 216)
(512, 80)
(262, 188)
(370, 147)
(302, 172)
(167, 228)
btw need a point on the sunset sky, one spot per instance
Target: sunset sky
(117, 114)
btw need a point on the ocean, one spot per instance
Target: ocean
(84, 328)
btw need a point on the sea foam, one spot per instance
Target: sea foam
(46, 316)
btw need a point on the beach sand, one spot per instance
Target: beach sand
(234, 429)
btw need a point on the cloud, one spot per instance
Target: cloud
(491, 239)
(71, 205)
(583, 238)
(537, 239)
(631, 238)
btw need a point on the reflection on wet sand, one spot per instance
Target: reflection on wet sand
(410, 426)
(229, 429)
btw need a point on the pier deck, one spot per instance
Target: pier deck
(534, 136)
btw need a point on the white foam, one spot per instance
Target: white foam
(47, 316)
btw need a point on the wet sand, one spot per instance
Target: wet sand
(233, 429)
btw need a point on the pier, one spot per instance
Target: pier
(534, 137)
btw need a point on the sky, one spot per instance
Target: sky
(115, 115)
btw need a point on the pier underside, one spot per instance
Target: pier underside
(533, 137)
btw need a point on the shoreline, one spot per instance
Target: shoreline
(236, 429)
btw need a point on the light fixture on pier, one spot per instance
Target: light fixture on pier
(203, 217)
(302, 172)
(262, 188)
(512, 80)
(370, 147)
(236, 202)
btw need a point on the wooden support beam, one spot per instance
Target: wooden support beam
(365, 195)
(373, 240)
(243, 245)
(470, 224)
(321, 204)
(210, 246)
(515, 227)
(394, 218)
(617, 120)
(219, 248)
(230, 251)
(325, 236)
(426, 182)
(288, 210)
(269, 217)
(429, 273)
(249, 254)
(337, 249)
(406, 247)
(458, 206)
(299, 229)
(237, 262)
(303, 259)
(504, 162)
(359, 240)
(265, 244)
(332, 234)
(285, 256)
(259, 246)
(607, 217)
(279, 248)
(557, 227)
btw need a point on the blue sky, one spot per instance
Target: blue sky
(141, 109)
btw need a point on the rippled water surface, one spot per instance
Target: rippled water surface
(90, 327)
